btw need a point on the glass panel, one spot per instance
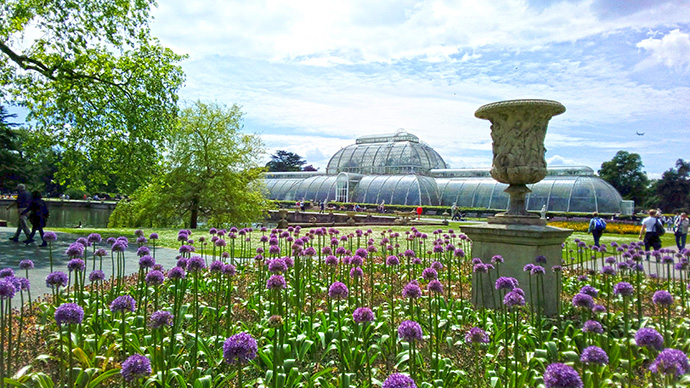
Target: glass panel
(560, 192)
(540, 193)
(499, 198)
(608, 199)
(482, 195)
(582, 197)
(466, 194)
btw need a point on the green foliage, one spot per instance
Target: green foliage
(286, 161)
(672, 191)
(212, 172)
(96, 85)
(624, 172)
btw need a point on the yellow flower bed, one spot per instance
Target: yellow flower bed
(611, 227)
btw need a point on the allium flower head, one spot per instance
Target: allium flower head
(437, 266)
(356, 272)
(476, 335)
(592, 327)
(216, 266)
(497, 259)
(594, 355)
(337, 290)
(75, 250)
(399, 380)
(514, 299)
(7, 289)
(598, 309)
(100, 252)
(528, 267)
(276, 282)
(412, 290)
(195, 264)
(506, 283)
(50, 236)
(583, 301)
(649, 338)
(589, 290)
(277, 266)
(363, 315)
(480, 268)
(69, 313)
(435, 286)
(153, 236)
(117, 247)
(537, 270)
(143, 251)
(662, 298)
(26, 264)
(135, 367)
(160, 319)
(123, 303)
(559, 375)
(331, 261)
(6, 273)
(540, 260)
(429, 274)
(624, 289)
(176, 273)
(96, 276)
(410, 331)
(76, 265)
(239, 349)
(229, 270)
(147, 262)
(671, 362)
(154, 278)
(56, 279)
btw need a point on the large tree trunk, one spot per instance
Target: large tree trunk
(194, 214)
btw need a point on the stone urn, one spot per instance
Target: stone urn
(283, 222)
(518, 129)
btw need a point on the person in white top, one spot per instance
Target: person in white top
(649, 230)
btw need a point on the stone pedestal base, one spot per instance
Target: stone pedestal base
(518, 245)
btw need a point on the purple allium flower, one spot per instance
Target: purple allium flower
(594, 355)
(476, 261)
(624, 289)
(331, 261)
(480, 268)
(662, 298)
(229, 270)
(216, 266)
(69, 313)
(143, 251)
(176, 273)
(589, 290)
(138, 232)
(497, 259)
(363, 315)
(83, 241)
(239, 349)
(76, 265)
(274, 250)
(435, 286)
(409, 253)
(356, 272)
(608, 270)
(592, 327)
(671, 362)
(123, 303)
(7, 289)
(277, 266)
(50, 236)
(146, 262)
(75, 250)
(117, 247)
(506, 283)
(559, 375)
(598, 309)
(310, 251)
(135, 367)
(649, 338)
(610, 260)
(96, 276)
(154, 278)
(429, 274)
(153, 236)
(185, 249)
(160, 318)
(540, 260)
(195, 264)
(356, 261)
(583, 301)
(477, 336)
(100, 252)
(142, 240)
(537, 270)
(514, 299)
(6, 273)
(56, 279)
(416, 261)
(412, 290)
(459, 253)
(276, 282)
(437, 266)
(338, 290)
(410, 331)
(111, 240)
(26, 264)
(528, 267)
(399, 380)
(93, 238)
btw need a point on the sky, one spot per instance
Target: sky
(312, 76)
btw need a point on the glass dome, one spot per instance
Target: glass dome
(399, 153)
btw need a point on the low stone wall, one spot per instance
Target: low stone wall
(297, 217)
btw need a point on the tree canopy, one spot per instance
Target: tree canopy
(95, 83)
(212, 172)
(624, 172)
(285, 161)
(672, 191)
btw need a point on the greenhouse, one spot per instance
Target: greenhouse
(400, 169)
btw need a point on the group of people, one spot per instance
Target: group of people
(653, 227)
(31, 207)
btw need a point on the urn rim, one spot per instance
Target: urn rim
(553, 107)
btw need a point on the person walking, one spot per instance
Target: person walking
(597, 226)
(22, 203)
(38, 215)
(680, 229)
(652, 229)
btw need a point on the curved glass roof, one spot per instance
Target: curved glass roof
(400, 153)
(398, 189)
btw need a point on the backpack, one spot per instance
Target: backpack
(659, 229)
(599, 225)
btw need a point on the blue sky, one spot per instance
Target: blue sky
(312, 76)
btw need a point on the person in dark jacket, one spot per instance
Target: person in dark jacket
(38, 214)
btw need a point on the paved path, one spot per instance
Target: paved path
(12, 253)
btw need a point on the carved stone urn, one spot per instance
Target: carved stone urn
(518, 129)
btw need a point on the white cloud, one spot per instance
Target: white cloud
(558, 160)
(672, 50)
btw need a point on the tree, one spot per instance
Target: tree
(285, 161)
(672, 191)
(624, 172)
(212, 172)
(11, 162)
(94, 82)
